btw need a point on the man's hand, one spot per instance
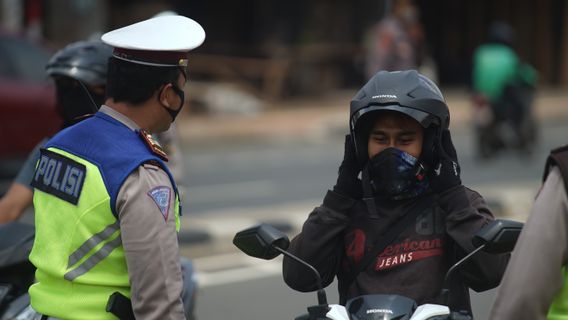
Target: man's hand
(446, 172)
(348, 183)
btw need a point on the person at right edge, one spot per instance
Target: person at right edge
(400, 145)
(535, 283)
(107, 209)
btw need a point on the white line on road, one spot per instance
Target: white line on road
(250, 269)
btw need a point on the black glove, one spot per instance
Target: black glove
(348, 183)
(446, 172)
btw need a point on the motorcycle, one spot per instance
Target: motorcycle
(508, 124)
(266, 242)
(16, 271)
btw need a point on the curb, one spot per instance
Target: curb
(211, 232)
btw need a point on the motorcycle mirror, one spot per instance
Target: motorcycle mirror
(259, 241)
(499, 236)
(266, 242)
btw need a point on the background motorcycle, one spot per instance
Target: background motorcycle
(16, 271)
(266, 242)
(509, 123)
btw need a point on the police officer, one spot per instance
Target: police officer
(107, 207)
(79, 72)
(535, 284)
(410, 182)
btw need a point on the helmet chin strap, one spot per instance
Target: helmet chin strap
(94, 108)
(368, 197)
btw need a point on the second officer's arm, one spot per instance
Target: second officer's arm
(150, 244)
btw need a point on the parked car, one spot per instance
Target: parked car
(27, 101)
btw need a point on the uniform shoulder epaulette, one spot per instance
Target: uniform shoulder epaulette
(563, 148)
(152, 144)
(558, 157)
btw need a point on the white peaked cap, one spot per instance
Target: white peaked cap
(160, 41)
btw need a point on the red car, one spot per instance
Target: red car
(27, 100)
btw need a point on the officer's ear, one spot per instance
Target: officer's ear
(166, 94)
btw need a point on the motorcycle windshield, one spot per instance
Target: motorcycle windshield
(380, 307)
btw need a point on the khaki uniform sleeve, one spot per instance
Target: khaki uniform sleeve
(169, 140)
(534, 275)
(150, 243)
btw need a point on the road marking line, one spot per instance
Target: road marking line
(262, 269)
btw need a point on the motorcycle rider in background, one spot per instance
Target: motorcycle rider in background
(400, 145)
(77, 69)
(504, 89)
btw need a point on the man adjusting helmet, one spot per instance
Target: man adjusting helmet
(399, 179)
(411, 162)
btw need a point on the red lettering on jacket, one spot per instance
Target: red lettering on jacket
(355, 245)
(408, 251)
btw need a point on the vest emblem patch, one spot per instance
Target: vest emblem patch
(59, 176)
(161, 196)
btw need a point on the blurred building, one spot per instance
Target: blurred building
(283, 48)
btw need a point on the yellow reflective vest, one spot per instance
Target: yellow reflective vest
(78, 251)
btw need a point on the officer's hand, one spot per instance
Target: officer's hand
(348, 183)
(446, 172)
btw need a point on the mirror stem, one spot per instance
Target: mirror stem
(322, 298)
(445, 290)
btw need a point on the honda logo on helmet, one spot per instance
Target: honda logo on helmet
(384, 96)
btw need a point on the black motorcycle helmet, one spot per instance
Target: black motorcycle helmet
(85, 61)
(79, 71)
(408, 92)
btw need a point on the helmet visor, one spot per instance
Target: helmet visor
(425, 119)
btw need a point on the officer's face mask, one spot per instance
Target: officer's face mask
(181, 95)
(396, 174)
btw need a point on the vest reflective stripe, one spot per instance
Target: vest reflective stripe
(559, 307)
(92, 243)
(94, 259)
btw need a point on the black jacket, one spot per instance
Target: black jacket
(339, 232)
